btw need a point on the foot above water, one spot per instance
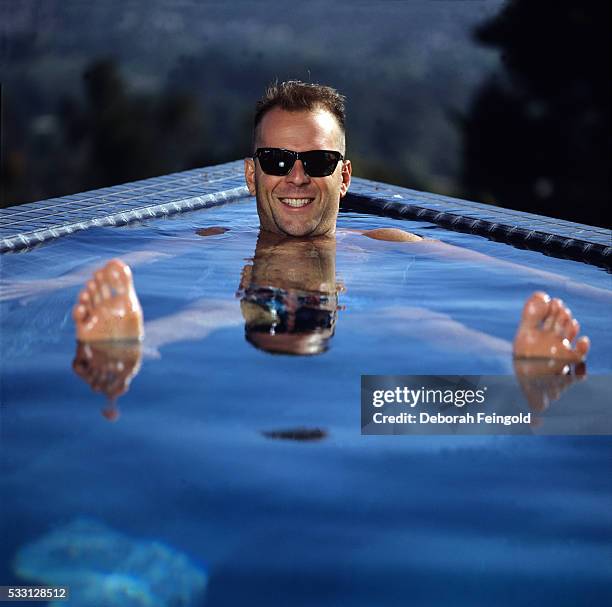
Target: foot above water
(548, 330)
(108, 308)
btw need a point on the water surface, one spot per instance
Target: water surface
(201, 459)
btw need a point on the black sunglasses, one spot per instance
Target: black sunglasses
(279, 162)
(290, 312)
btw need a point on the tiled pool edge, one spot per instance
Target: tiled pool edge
(30, 239)
(579, 249)
(28, 225)
(25, 226)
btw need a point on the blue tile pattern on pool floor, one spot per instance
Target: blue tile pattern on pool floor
(30, 224)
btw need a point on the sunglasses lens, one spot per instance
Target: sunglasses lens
(309, 319)
(276, 162)
(319, 163)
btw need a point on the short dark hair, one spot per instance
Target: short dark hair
(298, 96)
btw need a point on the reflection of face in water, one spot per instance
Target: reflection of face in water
(289, 295)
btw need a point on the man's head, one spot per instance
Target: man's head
(299, 117)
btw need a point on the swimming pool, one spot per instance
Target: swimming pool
(246, 472)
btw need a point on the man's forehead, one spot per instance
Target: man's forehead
(301, 130)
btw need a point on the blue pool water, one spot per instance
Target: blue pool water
(197, 479)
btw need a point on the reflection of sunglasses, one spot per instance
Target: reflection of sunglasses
(279, 162)
(274, 312)
(306, 320)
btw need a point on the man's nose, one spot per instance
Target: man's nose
(297, 174)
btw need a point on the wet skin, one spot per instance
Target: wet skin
(548, 331)
(109, 319)
(108, 312)
(298, 216)
(316, 200)
(297, 204)
(108, 308)
(548, 358)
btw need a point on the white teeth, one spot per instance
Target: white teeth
(295, 202)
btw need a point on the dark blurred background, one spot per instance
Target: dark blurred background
(502, 102)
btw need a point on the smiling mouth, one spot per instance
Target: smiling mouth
(296, 203)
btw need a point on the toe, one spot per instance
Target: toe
(118, 265)
(121, 273)
(79, 312)
(556, 305)
(102, 283)
(583, 345)
(92, 289)
(573, 329)
(115, 281)
(536, 309)
(81, 308)
(562, 322)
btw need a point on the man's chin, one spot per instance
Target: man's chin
(298, 232)
(297, 229)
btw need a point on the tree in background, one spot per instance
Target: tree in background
(537, 137)
(112, 136)
(129, 136)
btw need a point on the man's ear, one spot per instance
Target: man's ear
(347, 171)
(249, 175)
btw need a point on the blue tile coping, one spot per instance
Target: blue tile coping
(27, 225)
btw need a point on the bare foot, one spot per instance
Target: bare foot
(108, 308)
(108, 367)
(547, 330)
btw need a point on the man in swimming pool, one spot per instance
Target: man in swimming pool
(298, 171)
(298, 174)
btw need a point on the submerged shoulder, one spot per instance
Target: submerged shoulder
(392, 234)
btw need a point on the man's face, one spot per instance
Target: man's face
(280, 200)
